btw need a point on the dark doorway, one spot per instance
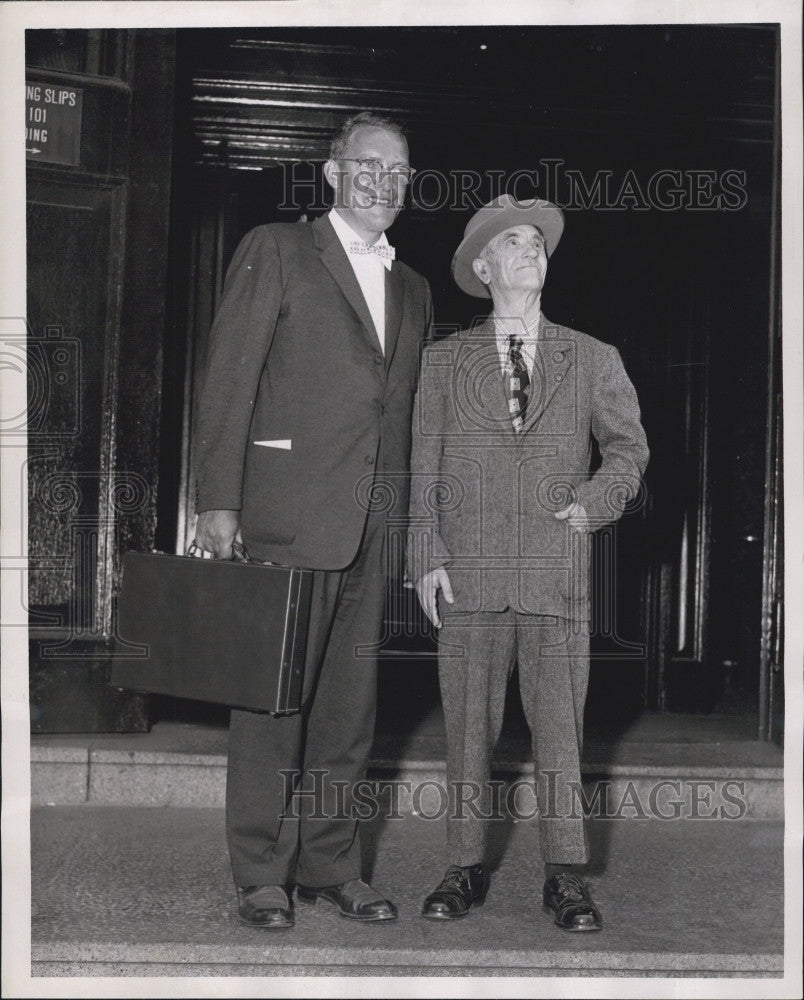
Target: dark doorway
(661, 146)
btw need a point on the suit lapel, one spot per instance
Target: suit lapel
(394, 307)
(553, 360)
(334, 258)
(484, 382)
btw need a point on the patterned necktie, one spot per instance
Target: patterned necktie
(384, 252)
(518, 383)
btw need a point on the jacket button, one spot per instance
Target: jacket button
(559, 377)
(558, 357)
(369, 460)
(378, 359)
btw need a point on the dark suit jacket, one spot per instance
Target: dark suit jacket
(483, 498)
(294, 357)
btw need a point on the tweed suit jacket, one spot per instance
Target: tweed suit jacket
(483, 498)
(302, 415)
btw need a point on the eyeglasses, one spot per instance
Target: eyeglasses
(376, 171)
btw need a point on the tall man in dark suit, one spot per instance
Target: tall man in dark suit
(305, 418)
(501, 501)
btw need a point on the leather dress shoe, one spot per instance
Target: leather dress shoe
(264, 906)
(459, 891)
(353, 899)
(567, 898)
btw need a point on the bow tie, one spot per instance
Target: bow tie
(384, 252)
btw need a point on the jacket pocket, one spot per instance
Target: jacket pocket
(273, 490)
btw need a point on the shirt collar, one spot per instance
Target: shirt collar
(504, 329)
(346, 234)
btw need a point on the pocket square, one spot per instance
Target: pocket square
(281, 443)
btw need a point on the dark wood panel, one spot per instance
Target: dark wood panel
(70, 692)
(148, 320)
(97, 285)
(258, 97)
(71, 311)
(102, 54)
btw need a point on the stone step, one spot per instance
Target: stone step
(147, 892)
(185, 766)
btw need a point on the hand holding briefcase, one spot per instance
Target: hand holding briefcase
(225, 631)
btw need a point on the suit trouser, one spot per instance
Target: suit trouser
(329, 742)
(476, 655)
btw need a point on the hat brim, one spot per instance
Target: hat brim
(548, 218)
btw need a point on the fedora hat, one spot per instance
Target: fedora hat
(489, 221)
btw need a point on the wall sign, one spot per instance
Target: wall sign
(53, 123)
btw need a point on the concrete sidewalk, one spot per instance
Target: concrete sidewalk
(126, 891)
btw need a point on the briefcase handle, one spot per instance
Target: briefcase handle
(239, 552)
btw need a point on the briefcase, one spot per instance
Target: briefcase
(224, 631)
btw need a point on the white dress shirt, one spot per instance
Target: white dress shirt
(505, 329)
(369, 270)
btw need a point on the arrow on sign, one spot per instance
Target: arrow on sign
(31, 150)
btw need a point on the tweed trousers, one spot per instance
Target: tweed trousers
(476, 655)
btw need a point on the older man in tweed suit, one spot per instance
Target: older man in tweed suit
(502, 501)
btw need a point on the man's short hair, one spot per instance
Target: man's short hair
(342, 138)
